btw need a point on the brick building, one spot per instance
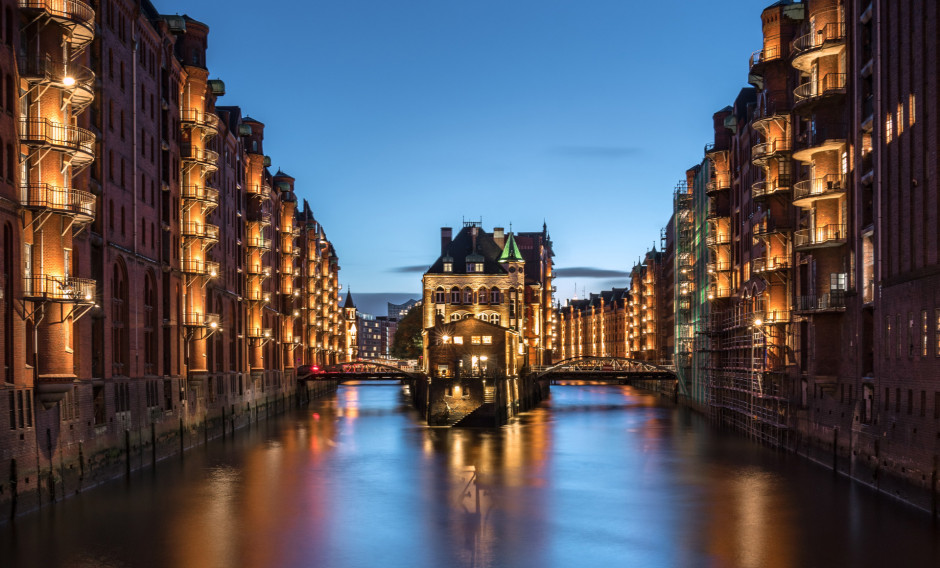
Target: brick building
(154, 274)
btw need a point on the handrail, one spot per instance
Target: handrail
(834, 31)
(201, 119)
(819, 235)
(59, 288)
(767, 53)
(200, 193)
(200, 231)
(63, 199)
(831, 183)
(201, 155)
(45, 67)
(74, 10)
(814, 89)
(73, 138)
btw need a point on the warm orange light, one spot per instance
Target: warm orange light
(68, 81)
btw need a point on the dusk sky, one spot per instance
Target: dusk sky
(398, 118)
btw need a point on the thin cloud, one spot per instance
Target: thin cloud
(413, 269)
(601, 152)
(589, 272)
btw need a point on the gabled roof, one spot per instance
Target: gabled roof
(511, 252)
(461, 249)
(349, 301)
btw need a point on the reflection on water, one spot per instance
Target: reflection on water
(600, 475)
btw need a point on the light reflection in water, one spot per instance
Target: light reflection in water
(599, 475)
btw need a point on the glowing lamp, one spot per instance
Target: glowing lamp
(68, 81)
(758, 322)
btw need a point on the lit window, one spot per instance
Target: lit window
(448, 267)
(488, 339)
(900, 118)
(912, 109)
(924, 324)
(458, 340)
(889, 129)
(475, 340)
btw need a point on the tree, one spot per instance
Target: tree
(407, 343)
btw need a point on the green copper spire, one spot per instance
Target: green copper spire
(511, 252)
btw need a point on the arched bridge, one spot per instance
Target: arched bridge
(355, 371)
(614, 369)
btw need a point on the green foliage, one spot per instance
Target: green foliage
(407, 343)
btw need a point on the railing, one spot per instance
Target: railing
(65, 200)
(772, 104)
(769, 53)
(769, 227)
(767, 188)
(820, 132)
(259, 332)
(77, 79)
(198, 266)
(204, 120)
(826, 185)
(200, 231)
(818, 38)
(710, 149)
(775, 316)
(719, 266)
(716, 292)
(59, 288)
(70, 138)
(71, 10)
(201, 156)
(767, 149)
(764, 264)
(193, 319)
(717, 184)
(262, 191)
(825, 235)
(201, 193)
(262, 218)
(830, 83)
(258, 242)
(717, 240)
(833, 301)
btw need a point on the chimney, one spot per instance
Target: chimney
(446, 234)
(499, 236)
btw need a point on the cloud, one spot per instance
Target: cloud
(602, 152)
(413, 269)
(589, 272)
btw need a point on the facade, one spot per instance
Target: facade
(621, 322)
(503, 279)
(399, 311)
(809, 319)
(376, 334)
(154, 273)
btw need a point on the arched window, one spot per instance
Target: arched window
(467, 295)
(495, 296)
(120, 343)
(455, 295)
(454, 317)
(482, 296)
(494, 319)
(439, 295)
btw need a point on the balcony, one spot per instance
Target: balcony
(193, 319)
(261, 191)
(824, 236)
(45, 134)
(823, 42)
(713, 153)
(761, 153)
(258, 243)
(764, 265)
(765, 189)
(63, 289)
(263, 219)
(808, 191)
(200, 267)
(715, 210)
(717, 240)
(208, 196)
(830, 85)
(834, 301)
(769, 317)
(76, 82)
(773, 51)
(717, 185)
(207, 159)
(207, 122)
(719, 266)
(772, 107)
(718, 292)
(768, 227)
(260, 333)
(260, 271)
(821, 137)
(78, 204)
(76, 17)
(201, 231)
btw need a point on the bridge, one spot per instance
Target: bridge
(356, 371)
(617, 370)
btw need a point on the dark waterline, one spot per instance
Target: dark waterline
(598, 476)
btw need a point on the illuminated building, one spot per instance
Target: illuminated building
(151, 278)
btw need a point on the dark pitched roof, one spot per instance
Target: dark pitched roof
(349, 301)
(462, 246)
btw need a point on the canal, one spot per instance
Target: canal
(597, 476)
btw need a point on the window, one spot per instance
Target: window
(889, 129)
(887, 398)
(923, 403)
(887, 343)
(455, 295)
(910, 334)
(912, 110)
(897, 321)
(439, 296)
(900, 118)
(454, 317)
(487, 340)
(910, 401)
(458, 340)
(467, 296)
(924, 333)
(897, 399)
(475, 340)
(495, 298)
(482, 296)
(936, 315)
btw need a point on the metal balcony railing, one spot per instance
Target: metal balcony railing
(834, 32)
(206, 121)
(765, 150)
(767, 188)
(832, 301)
(261, 191)
(64, 289)
(830, 185)
(258, 243)
(195, 319)
(203, 231)
(207, 195)
(63, 200)
(768, 226)
(42, 132)
(718, 292)
(76, 81)
(264, 219)
(77, 16)
(831, 83)
(200, 267)
(768, 264)
(717, 266)
(822, 236)
(772, 50)
(718, 239)
(208, 159)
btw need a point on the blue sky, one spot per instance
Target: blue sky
(400, 117)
